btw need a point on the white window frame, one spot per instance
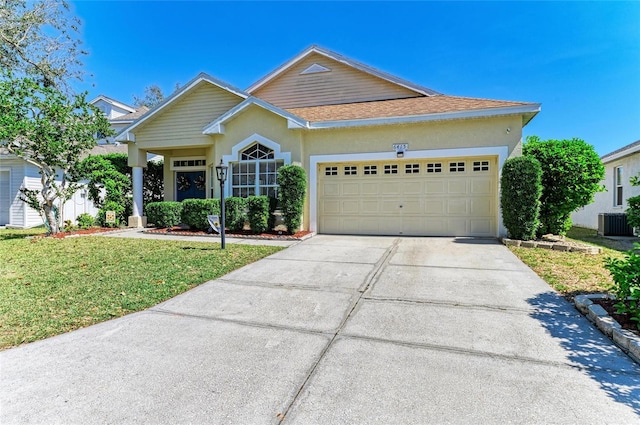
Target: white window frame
(618, 185)
(236, 152)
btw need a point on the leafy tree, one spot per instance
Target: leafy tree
(520, 190)
(40, 124)
(39, 39)
(105, 176)
(152, 96)
(571, 175)
(633, 210)
(110, 175)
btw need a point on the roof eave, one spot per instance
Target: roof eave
(630, 150)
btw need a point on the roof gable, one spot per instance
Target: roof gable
(319, 76)
(175, 98)
(217, 125)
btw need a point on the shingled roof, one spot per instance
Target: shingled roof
(413, 106)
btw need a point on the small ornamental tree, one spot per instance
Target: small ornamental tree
(520, 190)
(292, 180)
(40, 124)
(633, 205)
(571, 175)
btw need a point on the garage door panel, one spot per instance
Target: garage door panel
(370, 188)
(481, 186)
(351, 189)
(389, 206)
(435, 186)
(330, 189)
(457, 226)
(412, 188)
(481, 206)
(480, 226)
(413, 201)
(351, 207)
(457, 186)
(457, 206)
(435, 206)
(390, 188)
(330, 207)
(411, 207)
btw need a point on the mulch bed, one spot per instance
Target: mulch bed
(246, 234)
(623, 319)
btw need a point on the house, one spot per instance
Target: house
(620, 166)
(16, 173)
(383, 156)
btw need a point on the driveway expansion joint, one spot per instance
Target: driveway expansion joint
(373, 275)
(487, 354)
(261, 325)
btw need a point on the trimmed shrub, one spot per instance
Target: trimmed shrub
(273, 206)
(626, 287)
(571, 175)
(258, 213)
(520, 192)
(235, 209)
(85, 221)
(195, 212)
(164, 214)
(292, 180)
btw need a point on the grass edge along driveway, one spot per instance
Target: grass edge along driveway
(52, 286)
(573, 273)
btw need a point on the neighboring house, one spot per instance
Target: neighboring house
(620, 166)
(16, 173)
(383, 156)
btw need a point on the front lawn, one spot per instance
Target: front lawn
(51, 286)
(573, 273)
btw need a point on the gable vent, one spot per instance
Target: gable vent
(315, 69)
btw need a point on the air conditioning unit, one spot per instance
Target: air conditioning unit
(614, 224)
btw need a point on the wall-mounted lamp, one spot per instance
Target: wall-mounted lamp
(508, 130)
(400, 149)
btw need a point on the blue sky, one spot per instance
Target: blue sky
(581, 60)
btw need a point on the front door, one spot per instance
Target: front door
(190, 184)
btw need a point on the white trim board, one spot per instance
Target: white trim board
(501, 152)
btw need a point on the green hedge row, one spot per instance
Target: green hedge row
(193, 212)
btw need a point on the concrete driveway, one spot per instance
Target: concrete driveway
(337, 330)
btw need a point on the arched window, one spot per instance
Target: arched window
(256, 172)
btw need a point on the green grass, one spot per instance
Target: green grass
(51, 286)
(573, 273)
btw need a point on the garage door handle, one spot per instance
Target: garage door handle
(400, 206)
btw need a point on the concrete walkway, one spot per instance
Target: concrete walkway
(337, 330)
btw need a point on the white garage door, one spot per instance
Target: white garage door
(5, 197)
(442, 197)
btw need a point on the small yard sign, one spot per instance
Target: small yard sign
(110, 216)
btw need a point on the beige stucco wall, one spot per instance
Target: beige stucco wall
(451, 134)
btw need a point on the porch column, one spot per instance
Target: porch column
(137, 219)
(137, 160)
